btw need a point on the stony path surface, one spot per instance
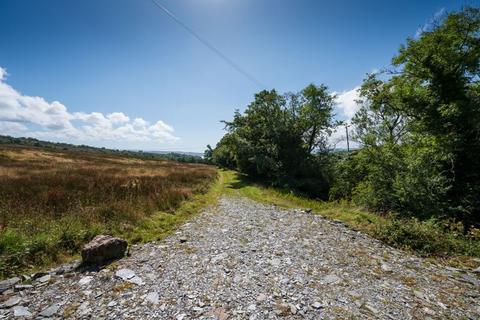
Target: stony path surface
(244, 260)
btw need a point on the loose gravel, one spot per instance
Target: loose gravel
(245, 260)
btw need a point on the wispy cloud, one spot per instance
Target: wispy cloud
(35, 117)
(430, 22)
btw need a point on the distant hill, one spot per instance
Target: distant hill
(190, 157)
(193, 154)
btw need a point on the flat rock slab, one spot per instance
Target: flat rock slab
(50, 311)
(245, 260)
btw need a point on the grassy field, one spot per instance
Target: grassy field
(436, 239)
(52, 202)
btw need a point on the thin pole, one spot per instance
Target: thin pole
(348, 141)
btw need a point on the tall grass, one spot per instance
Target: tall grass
(51, 202)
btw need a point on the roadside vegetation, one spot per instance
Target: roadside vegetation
(53, 201)
(415, 179)
(425, 237)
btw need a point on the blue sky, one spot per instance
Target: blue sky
(122, 74)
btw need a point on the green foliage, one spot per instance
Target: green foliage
(427, 237)
(438, 86)
(281, 139)
(403, 178)
(420, 128)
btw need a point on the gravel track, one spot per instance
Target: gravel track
(245, 260)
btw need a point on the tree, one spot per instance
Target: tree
(208, 154)
(277, 135)
(421, 127)
(315, 116)
(379, 120)
(438, 86)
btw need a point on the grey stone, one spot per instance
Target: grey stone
(125, 274)
(20, 311)
(112, 304)
(331, 279)
(261, 297)
(50, 311)
(275, 262)
(103, 249)
(152, 297)
(371, 308)
(219, 257)
(136, 280)
(85, 280)
(84, 309)
(471, 279)
(44, 278)
(12, 301)
(21, 287)
(8, 283)
(386, 268)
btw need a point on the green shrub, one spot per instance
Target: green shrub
(11, 241)
(427, 237)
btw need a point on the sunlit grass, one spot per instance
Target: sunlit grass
(52, 202)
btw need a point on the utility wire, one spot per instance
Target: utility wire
(209, 45)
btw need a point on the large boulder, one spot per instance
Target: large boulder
(103, 249)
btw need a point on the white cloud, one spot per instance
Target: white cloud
(430, 22)
(338, 139)
(34, 116)
(118, 117)
(346, 108)
(12, 127)
(346, 102)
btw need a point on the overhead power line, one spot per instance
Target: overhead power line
(209, 45)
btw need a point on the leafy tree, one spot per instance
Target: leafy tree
(379, 120)
(438, 85)
(279, 137)
(420, 128)
(208, 154)
(315, 116)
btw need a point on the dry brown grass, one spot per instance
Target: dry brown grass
(53, 201)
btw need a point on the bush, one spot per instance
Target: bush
(406, 179)
(427, 237)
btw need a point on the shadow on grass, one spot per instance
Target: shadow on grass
(242, 181)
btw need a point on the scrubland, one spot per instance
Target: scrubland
(53, 201)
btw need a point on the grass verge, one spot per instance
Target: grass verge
(432, 238)
(162, 224)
